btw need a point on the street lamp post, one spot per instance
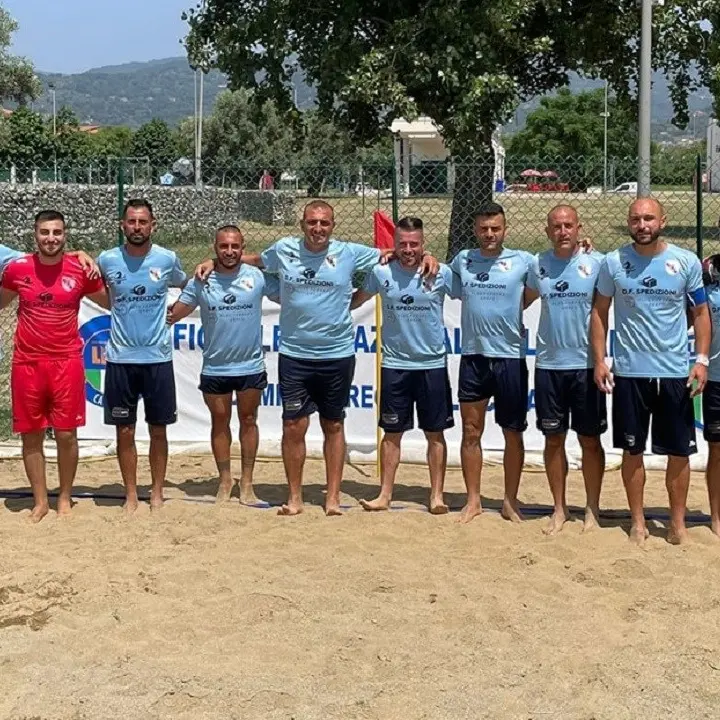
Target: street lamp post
(605, 115)
(645, 83)
(54, 115)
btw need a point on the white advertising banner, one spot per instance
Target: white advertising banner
(193, 425)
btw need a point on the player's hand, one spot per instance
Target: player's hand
(203, 270)
(586, 245)
(698, 378)
(604, 378)
(169, 314)
(429, 266)
(387, 256)
(88, 265)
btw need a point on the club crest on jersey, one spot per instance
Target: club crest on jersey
(584, 271)
(504, 265)
(331, 261)
(247, 283)
(155, 274)
(672, 267)
(68, 284)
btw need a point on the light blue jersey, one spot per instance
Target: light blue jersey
(491, 290)
(231, 314)
(6, 255)
(315, 293)
(566, 287)
(713, 298)
(651, 295)
(413, 330)
(138, 289)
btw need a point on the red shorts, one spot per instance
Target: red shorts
(48, 393)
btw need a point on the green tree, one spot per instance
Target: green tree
(71, 145)
(17, 78)
(326, 154)
(155, 141)
(27, 143)
(242, 138)
(675, 164)
(464, 63)
(114, 141)
(572, 125)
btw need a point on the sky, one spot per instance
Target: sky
(71, 36)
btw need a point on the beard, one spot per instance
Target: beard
(645, 240)
(137, 239)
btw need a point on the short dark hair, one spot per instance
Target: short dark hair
(48, 216)
(409, 223)
(489, 210)
(318, 204)
(138, 203)
(229, 228)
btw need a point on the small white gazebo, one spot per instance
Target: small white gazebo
(421, 141)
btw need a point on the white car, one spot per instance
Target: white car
(628, 188)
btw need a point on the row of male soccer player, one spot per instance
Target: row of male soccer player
(650, 280)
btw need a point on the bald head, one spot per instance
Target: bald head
(229, 244)
(646, 221)
(563, 229)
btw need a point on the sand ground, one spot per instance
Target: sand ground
(201, 611)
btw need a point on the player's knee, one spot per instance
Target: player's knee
(471, 431)
(125, 433)
(555, 442)
(589, 443)
(66, 437)
(295, 429)
(157, 432)
(435, 437)
(513, 438)
(331, 427)
(248, 420)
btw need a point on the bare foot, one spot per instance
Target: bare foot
(39, 512)
(379, 503)
(64, 506)
(639, 534)
(156, 499)
(592, 519)
(292, 508)
(510, 511)
(247, 495)
(438, 506)
(223, 492)
(678, 536)
(332, 509)
(130, 505)
(470, 511)
(556, 522)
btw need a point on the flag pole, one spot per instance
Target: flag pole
(378, 375)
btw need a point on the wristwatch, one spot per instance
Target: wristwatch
(703, 360)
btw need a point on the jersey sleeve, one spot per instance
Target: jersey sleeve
(190, 294)
(456, 264)
(605, 283)
(365, 257)
(532, 276)
(695, 286)
(272, 286)
(92, 285)
(177, 274)
(7, 255)
(10, 276)
(447, 279)
(102, 263)
(371, 285)
(269, 257)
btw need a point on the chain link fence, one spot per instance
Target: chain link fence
(267, 200)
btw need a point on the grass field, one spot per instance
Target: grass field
(603, 218)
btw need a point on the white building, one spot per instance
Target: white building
(420, 142)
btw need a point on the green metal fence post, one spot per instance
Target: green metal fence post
(394, 188)
(698, 207)
(120, 196)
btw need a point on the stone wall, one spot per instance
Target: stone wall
(92, 210)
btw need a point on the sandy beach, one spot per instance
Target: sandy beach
(205, 611)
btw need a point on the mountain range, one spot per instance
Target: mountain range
(135, 93)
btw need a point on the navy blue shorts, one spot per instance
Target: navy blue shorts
(669, 403)
(711, 411)
(504, 379)
(564, 394)
(426, 391)
(321, 386)
(228, 384)
(125, 384)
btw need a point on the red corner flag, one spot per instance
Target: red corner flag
(384, 231)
